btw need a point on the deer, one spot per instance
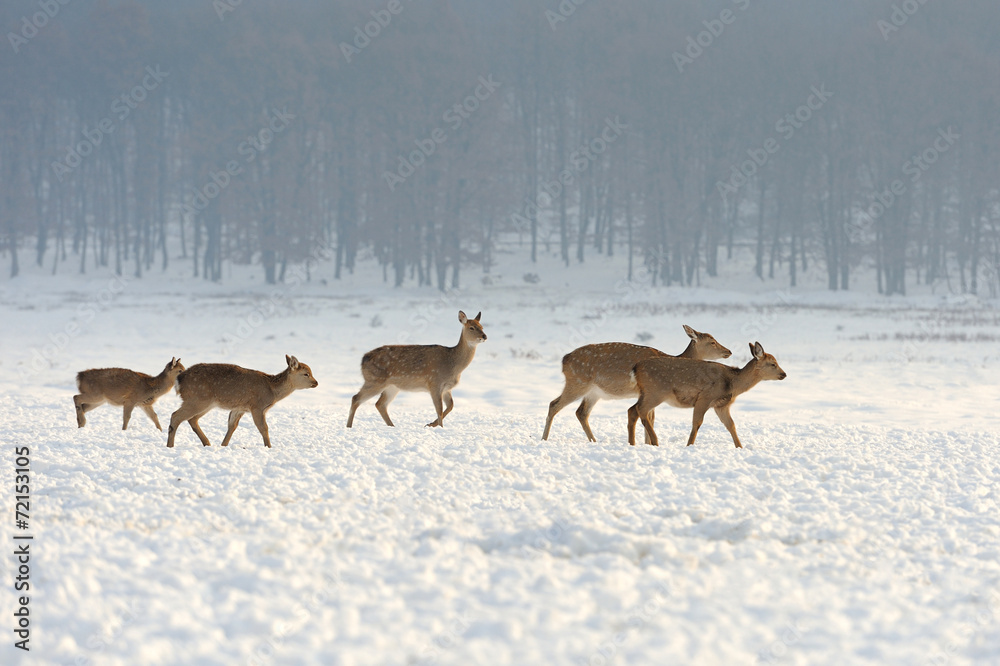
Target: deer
(433, 368)
(123, 388)
(602, 371)
(688, 383)
(205, 386)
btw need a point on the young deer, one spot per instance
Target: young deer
(123, 388)
(699, 384)
(237, 389)
(433, 368)
(603, 371)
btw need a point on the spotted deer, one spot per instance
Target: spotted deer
(204, 386)
(432, 368)
(701, 385)
(603, 370)
(123, 388)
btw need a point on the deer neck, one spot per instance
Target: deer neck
(462, 353)
(746, 378)
(161, 382)
(281, 384)
(688, 351)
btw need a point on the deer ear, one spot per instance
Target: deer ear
(292, 361)
(693, 334)
(757, 350)
(478, 316)
(462, 318)
(172, 361)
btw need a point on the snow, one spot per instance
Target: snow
(860, 525)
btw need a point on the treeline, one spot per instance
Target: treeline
(432, 135)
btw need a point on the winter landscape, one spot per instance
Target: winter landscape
(858, 524)
(243, 183)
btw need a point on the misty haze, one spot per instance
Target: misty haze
(524, 332)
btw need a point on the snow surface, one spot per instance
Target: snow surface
(860, 524)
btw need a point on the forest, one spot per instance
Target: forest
(855, 137)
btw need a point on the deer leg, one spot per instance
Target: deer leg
(85, 403)
(571, 393)
(382, 404)
(81, 409)
(645, 414)
(641, 411)
(193, 422)
(633, 416)
(258, 420)
(449, 404)
(126, 415)
(652, 418)
(727, 420)
(699, 417)
(583, 415)
(234, 420)
(175, 420)
(152, 416)
(81, 420)
(367, 392)
(186, 412)
(439, 408)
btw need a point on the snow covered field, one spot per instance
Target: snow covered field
(860, 525)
